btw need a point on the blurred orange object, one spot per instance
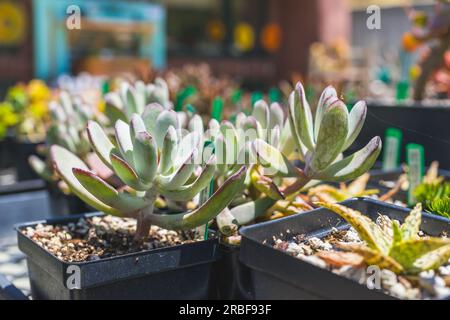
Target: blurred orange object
(271, 37)
(410, 43)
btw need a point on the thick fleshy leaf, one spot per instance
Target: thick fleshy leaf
(210, 209)
(410, 228)
(356, 120)
(332, 134)
(100, 142)
(368, 230)
(408, 252)
(397, 236)
(226, 222)
(265, 185)
(166, 119)
(274, 138)
(126, 173)
(287, 143)
(168, 152)
(140, 96)
(328, 96)
(104, 192)
(231, 142)
(129, 97)
(123, 138)
(151, 113)
(276, 116)
(64, 161)
(40, 167)
(273, 161)
(145, 157)
(181, 175)
(373, 257)
(188, 192)
(261, 113)
(433, 260)
(354, 165)
(137, 125)
(301, 118)
(248, 212)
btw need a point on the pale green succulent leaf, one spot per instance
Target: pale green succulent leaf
(354, 165)
(248, 212)
(100, 142)
(181, 174)
(145, 157)
(64, 161)
(150, 114)
(301, 117)
(166, 119)
(356, 120)
(327, 98)
(123, 138)
(168, 151)
(276, 116)
(274, 162)
(127, 174)
(331, 138)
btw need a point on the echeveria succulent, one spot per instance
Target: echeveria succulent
(152, 157)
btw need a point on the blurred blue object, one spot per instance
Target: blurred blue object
(52, 52)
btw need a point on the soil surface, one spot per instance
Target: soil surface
(324, 253)
(102, 237)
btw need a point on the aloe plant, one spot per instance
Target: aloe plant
(152, 158)
(69, 117)
(320, 143)
(395, 247)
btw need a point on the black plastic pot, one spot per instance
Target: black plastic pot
(20, 152)
(277, 275)
(178, 272)
(425, 125)
(231, 278)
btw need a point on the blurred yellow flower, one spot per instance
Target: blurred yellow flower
(38, 109)
(38, 90)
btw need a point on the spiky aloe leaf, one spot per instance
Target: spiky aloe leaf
(368, 230)
(397, 236)
(64, 161)
(354, 165)
(188, 192)
(301, 118)
(168, 150)
(211, 208)
(411, 226)
(100, 142)
(329, 95)
(408, 252)
(328, 193)
(181, 174)
(123, 138)
(249, 211)
(331, 138)
(373, 257)
(274, 162)
(125, 203)
(356, 120)
(127, 174)
(276, 116)
(433, 260)
(145, 156)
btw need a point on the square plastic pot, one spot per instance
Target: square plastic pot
(178, 272)
(278, 275)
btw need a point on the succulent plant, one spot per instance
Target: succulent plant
(331, 194)
(320, 144)
(152, 157)
(69, 117)
(131, 99)
(395, 247)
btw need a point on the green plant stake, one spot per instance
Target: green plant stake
(256, 96)
(217, 109)
(392, 147)
(274, 95)
(183, 95)
(191, 109)
(415, 159)
(402, 90)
